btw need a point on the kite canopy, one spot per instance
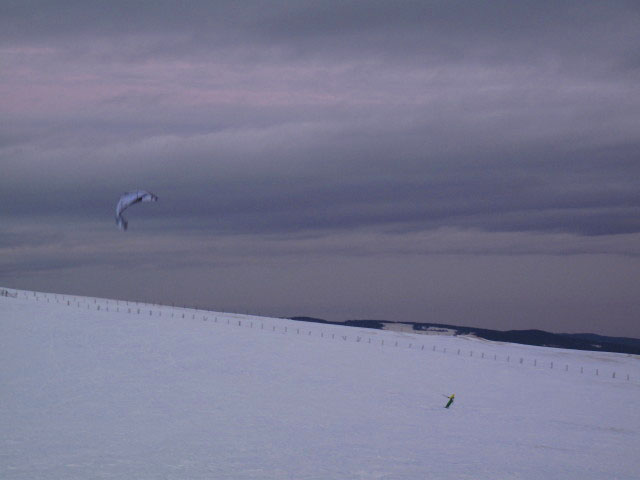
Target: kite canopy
(128, 199)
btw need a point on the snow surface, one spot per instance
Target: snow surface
(89, 390)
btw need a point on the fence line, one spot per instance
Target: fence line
(103, 305)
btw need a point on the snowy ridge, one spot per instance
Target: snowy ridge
(598, 364)
(93, 389)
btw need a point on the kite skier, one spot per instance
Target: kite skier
(453, 395)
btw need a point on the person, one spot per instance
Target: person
(453, 395)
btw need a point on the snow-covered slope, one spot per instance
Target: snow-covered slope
(90, 388)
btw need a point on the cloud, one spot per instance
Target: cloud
(333, 29)
(60, 246)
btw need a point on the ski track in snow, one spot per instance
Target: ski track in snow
(90, 393)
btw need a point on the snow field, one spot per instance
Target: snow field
(97, 393)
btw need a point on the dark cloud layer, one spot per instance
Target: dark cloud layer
(343, 129)
(445, 28)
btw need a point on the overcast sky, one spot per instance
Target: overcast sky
(464, 162)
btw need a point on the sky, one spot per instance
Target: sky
(461, 162)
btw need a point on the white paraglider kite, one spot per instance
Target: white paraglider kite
(128, 199)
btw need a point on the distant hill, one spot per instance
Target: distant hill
(379, 325)
(577, 341)
(635, 342)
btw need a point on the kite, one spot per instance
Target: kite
(128, 199)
